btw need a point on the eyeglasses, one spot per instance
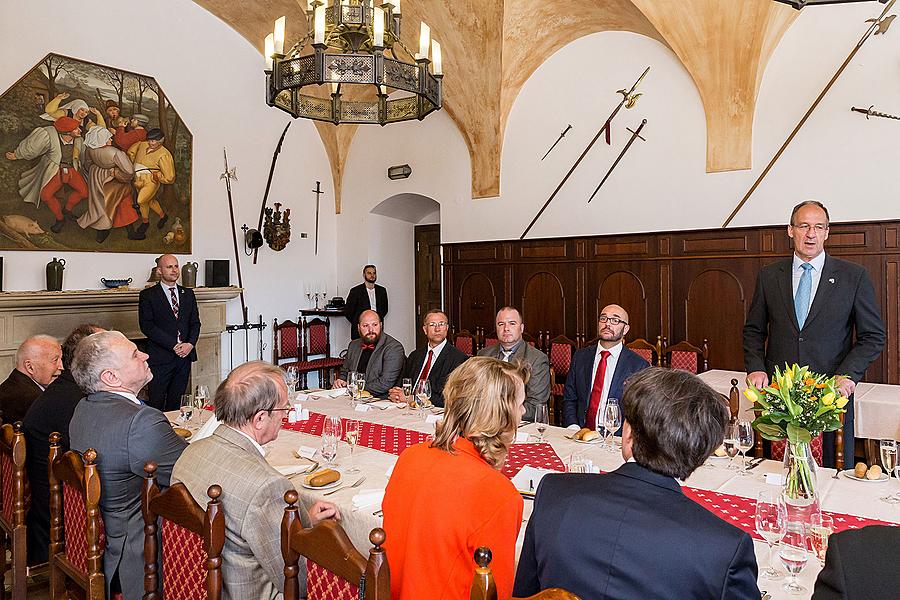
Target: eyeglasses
(805, 227)
(438, 325)
(611, 320)
(287, 409)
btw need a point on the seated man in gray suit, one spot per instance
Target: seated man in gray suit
(374, 353)
(510, 327)
(126, 434)
(250, 403)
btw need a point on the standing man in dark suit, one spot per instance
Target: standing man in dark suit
(169, 317)
(366, 296)
(434, 361)
(51, 412)
(632, 533)
(807, 310)
(38, 363)
(860, 564)
(374, 353)
(126, 434)
(599, 372)
(510, 347)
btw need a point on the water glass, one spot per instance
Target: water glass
(579, 463)
(351, 435)
(331, 433)
(744, 437)
(351, 385)
(821, 526)
(406, 385)
(201, 396)
(731, 443)
(794, 552)
(542, 420)
(612, 420)
(187, 408)
(291, 378)
(771, 518)
(423, 394)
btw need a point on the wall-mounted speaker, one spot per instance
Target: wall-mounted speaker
(218, 273)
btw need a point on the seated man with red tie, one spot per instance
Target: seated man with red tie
(433, 362)
(374, 353)
(599, 372)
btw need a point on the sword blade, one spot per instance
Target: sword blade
(634, 135)
(561, 136)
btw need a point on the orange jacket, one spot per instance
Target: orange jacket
(438, 508)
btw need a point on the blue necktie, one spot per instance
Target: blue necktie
(804, 290)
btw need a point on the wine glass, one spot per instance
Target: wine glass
(888, 450)
(731, 443)
(352, 377)
(351, 434)
(542, 420)
(612, 420)
(771, 514)
(187, 408)
(201, 396)
(360, 385)
(821, 526)
(744, 437)
(793, 552)
(291, 378)
(331, 433)
(406, 385)
(423, 394)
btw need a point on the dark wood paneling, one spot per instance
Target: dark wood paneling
(543, 303)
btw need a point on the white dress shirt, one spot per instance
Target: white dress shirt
(611, 361)
(371, 292)
(261, 450)
(818, 264)
(168, 294)
(435, 352)
(130, 396)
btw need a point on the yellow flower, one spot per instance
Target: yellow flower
(842, 401)
(752, 395)
(788, 381)
(828, 399)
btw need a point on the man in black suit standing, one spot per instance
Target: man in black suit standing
(599, 372)
(807, 310)
(38, 363)
(434, 361)
(632, 533)
(366, 296)
(169, 317)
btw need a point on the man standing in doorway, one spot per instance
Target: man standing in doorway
(168, 316)
(366, 296)
(806, 310)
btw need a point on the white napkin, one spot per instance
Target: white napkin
(368, 497)
(329, 393)
(288, 470)
(207, 429)
(385, 404)
(530, 477)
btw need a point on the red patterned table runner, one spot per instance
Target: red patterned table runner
(542, 456)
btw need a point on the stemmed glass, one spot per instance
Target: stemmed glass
(888, 450)
(542, 420)
(352, 377)
(821, 527)
(360, 385)
(406, 385)
(731, 443)
(291, 378)
(351, 434)
(331, 433)
(612, 420)
(744, 437)
(794, 552)
(187, 408)
(771, 515)
(423, 394)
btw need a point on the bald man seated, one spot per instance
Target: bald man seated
(38, 363)
(374, 353)
(599, 372)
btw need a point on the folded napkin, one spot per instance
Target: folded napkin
(288, 470)
(368, 497)
(329, 393)
(207, 429)
(385, 404)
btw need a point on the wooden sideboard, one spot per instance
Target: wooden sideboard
(684, 285)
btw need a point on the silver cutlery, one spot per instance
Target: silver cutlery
(837, 474)
(346, 487)
(755, 463)
(378, 513)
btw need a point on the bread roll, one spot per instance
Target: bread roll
(860, 469)
(323, 477)
(874, 472)
(720, 452)
(581, 433)
(590, 435)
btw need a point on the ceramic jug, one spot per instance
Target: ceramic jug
(189, 274)
(55, 274)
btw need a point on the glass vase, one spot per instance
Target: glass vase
(800, 488)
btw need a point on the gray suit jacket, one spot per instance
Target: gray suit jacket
(125, 435)
(385, 364)
(538, 389)
(253, 502)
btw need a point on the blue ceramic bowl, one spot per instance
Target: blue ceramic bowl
(114, 283)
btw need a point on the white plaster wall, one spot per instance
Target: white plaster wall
(214, 79)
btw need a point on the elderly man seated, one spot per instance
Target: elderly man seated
(374, 353)
(250, 404)
(38, 363)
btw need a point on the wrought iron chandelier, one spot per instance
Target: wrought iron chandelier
(798, 4)
(355, 43)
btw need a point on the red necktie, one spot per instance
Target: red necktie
(427, 366)
(597, 391)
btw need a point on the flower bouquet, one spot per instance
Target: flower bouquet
(797, 406)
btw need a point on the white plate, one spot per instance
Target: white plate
(333, 484)
(593, 441)
(850, 474)
(714, 457)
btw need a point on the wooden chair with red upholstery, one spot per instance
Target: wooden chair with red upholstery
(335, 568)
(286, 344)
(315, 352)
(77, 539)
(530, 340)
(484, 588)
(192, 541)
(560, 350)
(490, 339)
(465, 342)
(652, 353)
(16, 496)
(687, 357)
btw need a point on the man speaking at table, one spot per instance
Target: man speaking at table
(807, 310)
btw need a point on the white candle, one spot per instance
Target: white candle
(378, 24)
(269, 50)
(436, 57)
(279, 35)
(424, 36)
(319, 26)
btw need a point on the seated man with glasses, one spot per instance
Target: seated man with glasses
(599, 372)
(433, 362)
(250, 404)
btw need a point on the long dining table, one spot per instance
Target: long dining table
(726, 491)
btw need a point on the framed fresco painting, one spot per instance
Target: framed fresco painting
(92, 158)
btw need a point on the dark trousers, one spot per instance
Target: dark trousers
(828, 442)
(168, 384)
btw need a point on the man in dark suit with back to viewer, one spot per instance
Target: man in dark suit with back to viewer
(366, 296)
(169, 317)
(807, 309)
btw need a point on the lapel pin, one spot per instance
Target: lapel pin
(831, 280)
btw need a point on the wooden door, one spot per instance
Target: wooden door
(428, 274)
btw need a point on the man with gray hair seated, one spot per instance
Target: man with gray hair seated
(250, 404)
(126, 434)
(38, 363)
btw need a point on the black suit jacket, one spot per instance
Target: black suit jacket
(579, 381)
(844, 303)
(158, 323)
(51, 412)
(358, 301)
(628, 534)
(861, 564)
(16, 395)
(449, 358)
